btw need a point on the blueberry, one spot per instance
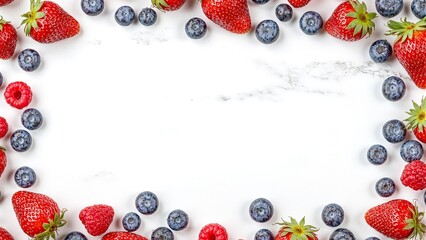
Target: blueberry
(380, 51)
(261, 210)
(418, 7)
(75, 236)
(424, 197)
(342, 234)
(25, 177)
(260, 1)
(394, 131)
(385, 187)
(389, 8)
(29, 60)
(332, 215)
(177, 220)
(92, 7)
(21, 140)
(267, 31)
(125, 15)
(393, 88)
(147, 16)
(1, 79)
(196, 28)
(311, 22)
(372, 238)
(264, 234)
(31, 118)
(162, 233)
(131, 222)
(377, 154)
(411, 150)
(146, 202)
(284, 12)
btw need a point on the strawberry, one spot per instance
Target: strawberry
(213, 231)
(38, 215)
(232, 15)
(8, 39)
(414, 175)
(97, 218)
(396, 219)
(168, 5)
(4, 127)
(296, 230)
(350, 21)
(47, 22)
(298, 3)
(417, 120)
(5, 2)
(3, 160)
(5, 235)
(410, 48)
(122, 236)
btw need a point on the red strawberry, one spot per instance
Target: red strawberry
(168, 5)
(38, 215)
(47, 22)
(18, 95)
(396, 219)
(5, 235)
(417, 120)
(414, 175)
(298, 3)
(8, 39)
(5, 2)
(350, 21)
(213, 231)
(4, 127)
(3, 160)
(296, 230)
(232, 15)
(97, 218)
(410, 48)
(122, 236)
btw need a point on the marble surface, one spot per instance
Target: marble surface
(208, 125)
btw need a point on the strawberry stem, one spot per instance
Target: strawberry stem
(363, 20)
(417, 118)
(405, 29)
(51, 228)
(415, 223)
(31, 17)
(2, 149)
(2, 22)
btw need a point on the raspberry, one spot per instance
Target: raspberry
(213, 231)
(18, 95)
(97, 218)
(414, 175)
(4, 127)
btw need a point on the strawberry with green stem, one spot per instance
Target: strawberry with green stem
(294, 230)
(168, 5)
(417, 120)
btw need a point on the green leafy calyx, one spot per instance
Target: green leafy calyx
(405, 29)
(160, 4)
(51, 228)
(31, 17)
(417, 118)
(2, 22)
(415, 224)
(298, 230)
(362, 20)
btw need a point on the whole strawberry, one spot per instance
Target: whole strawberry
(350, 21)
(97, 218)
(38, 215)
(296, 230)
(122, 236)
(5, 2)
(5, 235)
(232, 15)
(8, 39)
(410, 48)
(3, 160)
(168, 5)
(417, 120)
(414, 175)
(396, 219)
(298, 3)
(47, 22)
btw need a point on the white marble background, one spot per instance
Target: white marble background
(208, 125)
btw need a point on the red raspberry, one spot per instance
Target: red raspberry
(97, 218)
(18, 95)
(4, 127)
(213, 231)
(414, 175)
(3, 161)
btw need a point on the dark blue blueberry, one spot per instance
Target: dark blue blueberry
(332, 215)
(284, 12)
(131, 222)
(21, 140)
(311, 22)
(162, 233)
(380, 51)
(377, 154)
(260, 1)
(264, 234)
(147, 16)
(385, 187)
(25, 177)
(177, 220)
(411, 150)
(342, 234)
(261, 210)
(31, 118)
(393, 88)
(196, 28)
(125, 15)
(147, 202)
(29, 60)
(92, 7)
(372, 238)
(394, 131)
(424, 197)
(1, 79)
(418, 7)
(267, 31)
(389, 8)
(75, 236)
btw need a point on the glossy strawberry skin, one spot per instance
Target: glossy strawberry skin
(420, 135)
(122, 236)
(298, 3)
(4, 127)
(3, 160)
(337, 24)
(213, 231)
(8, 41)
(414, 175)
(5, 2)
(97, 218)
(5, 235)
